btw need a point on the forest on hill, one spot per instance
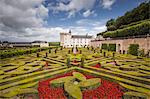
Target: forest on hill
(132, 23)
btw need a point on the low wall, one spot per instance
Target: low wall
(123, 44)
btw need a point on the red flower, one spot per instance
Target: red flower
(108, 90)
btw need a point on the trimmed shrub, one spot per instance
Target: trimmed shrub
(100, 50)
(68, 51)
(46, 54)
(68, 62)
(104, 54)
(133, 49)
(82, 62)
(55, 51)
(112, 47)
(139, 29)
(80, 51)
(49, 50)
(21, 52)
(104, 46)
(141, 53)
(37, 54)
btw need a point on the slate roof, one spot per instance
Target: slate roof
(39, 42)
(81, 36)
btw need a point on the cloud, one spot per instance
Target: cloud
(16, 16)
(107, 3)
(82, 30)
(25, 20)
(100, 28)
(88, 13)
(73, 6)
(42, 33)
(93, 23)
(91, 26)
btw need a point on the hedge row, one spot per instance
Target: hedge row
(21, 52)
(109, 47)
(139, 29)
(134, 23)
(133, 49)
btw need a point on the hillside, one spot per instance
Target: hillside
(132, 23)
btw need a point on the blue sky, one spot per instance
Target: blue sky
(28, 20)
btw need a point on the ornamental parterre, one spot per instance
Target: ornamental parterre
(76, 85)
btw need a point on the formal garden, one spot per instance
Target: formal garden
(74, 73)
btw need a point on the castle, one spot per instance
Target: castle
(69, 40)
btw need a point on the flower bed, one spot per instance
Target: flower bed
(97, 65)
(107, 89)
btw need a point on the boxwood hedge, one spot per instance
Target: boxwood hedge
(139, 29)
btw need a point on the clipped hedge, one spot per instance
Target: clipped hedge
(112, 47)
(104, 46)
(21, 52)
(109, 47)
(139, 29)
(133, 49)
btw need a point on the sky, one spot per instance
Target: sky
(30, 20)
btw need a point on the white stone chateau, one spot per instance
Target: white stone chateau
(69, 40)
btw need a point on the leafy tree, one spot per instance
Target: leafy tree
(110, 22)
(135, 15)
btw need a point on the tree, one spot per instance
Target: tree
(137, 14)
(110, 25)
(110, 22)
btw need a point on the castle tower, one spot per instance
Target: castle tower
(65, 39)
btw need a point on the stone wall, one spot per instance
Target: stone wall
(123, 44)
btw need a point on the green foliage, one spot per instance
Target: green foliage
(141, 53)
(74, 85)
(134, 23)
(21, 52)
(130, 18)
(60, 82)
(54, 43)
(20, 91)
(49, 50)
(110, 25)
(139, 29)
(90, 83)
(73, 90)
(109, 47)
(110, 22)
(137, 14)
(79, 76)
(104, 54)
(82, 62)
(112, 47)
(137, 95)
(111, 28)
(104, 46)
(133, 49)
(68, 62)
(37, 54)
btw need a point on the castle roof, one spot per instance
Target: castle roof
(81, 36)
